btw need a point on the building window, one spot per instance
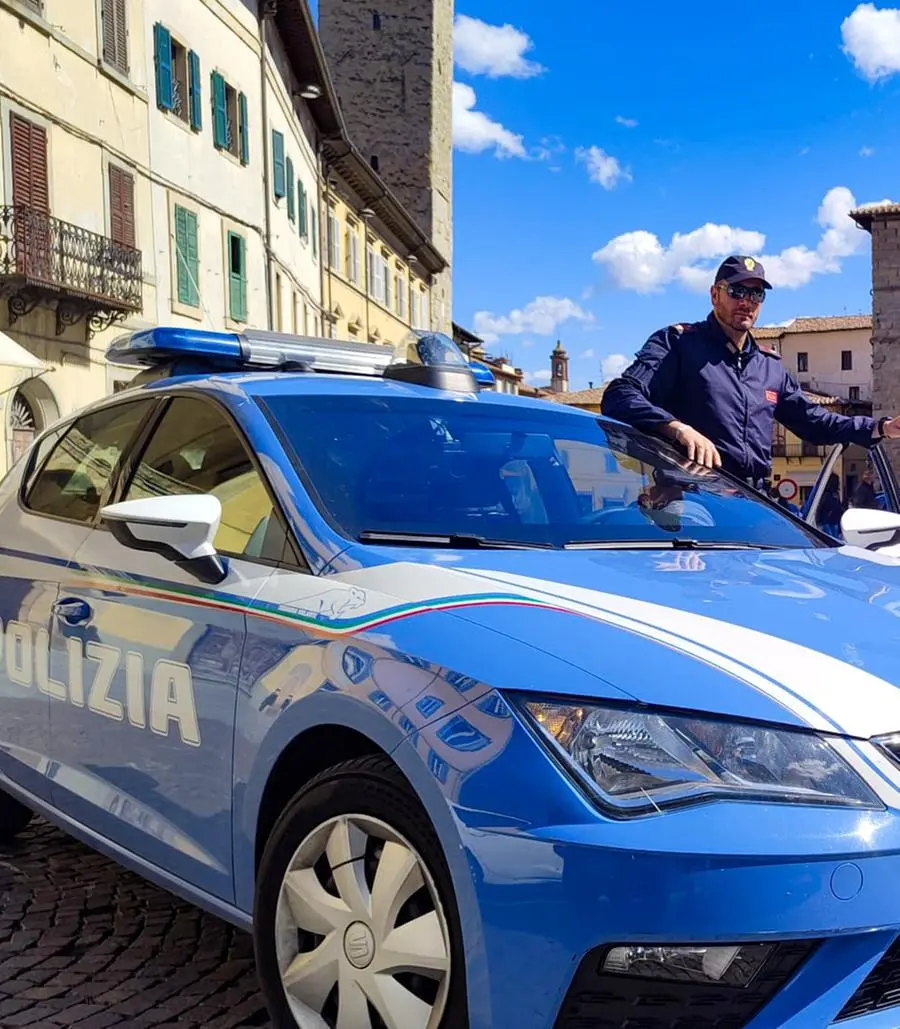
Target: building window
(846, 360)
(314, 228)
(802, 361)
(373, 160)
(178, 87)
(237, 277)
(376, 21)
(334, 241)
(289, 189)
(414, 308)
(121, 206)
(353, 253)
(278, 320)
(302, 212)
(229, 119)
(36, 5)
(854, 392)
(30, 183)
(115, 34)
(385, 298)
(400, 296)
(279, 167)
(187, 257)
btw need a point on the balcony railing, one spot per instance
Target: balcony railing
(45, 260)
(797, 450)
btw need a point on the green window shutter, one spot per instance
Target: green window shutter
(314, 224)
(195, 89)
(162, 42)
(237, 277)
(278, 164)
(244, 128)
(289, 166)
(187, 258)
(303, 221)
(220, 112)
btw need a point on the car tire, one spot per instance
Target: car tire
(352, 880)
(14, 817)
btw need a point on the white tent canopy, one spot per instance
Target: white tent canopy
(14, 355)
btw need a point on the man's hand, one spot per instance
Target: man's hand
(892, 429)
(697, 446)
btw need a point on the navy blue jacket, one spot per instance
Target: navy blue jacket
(696, 375)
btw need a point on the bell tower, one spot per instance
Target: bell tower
(391, 62)
(559, 369)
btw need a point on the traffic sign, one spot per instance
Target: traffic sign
(788, 489)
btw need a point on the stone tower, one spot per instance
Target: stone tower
(884, 225)
(559, 369)
(392, 66)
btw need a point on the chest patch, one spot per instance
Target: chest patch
(772, 396)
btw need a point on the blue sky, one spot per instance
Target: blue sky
(585, 144)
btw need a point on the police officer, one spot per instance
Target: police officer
(711, 388)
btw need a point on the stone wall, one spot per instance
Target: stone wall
(392, 67)
(886, 322)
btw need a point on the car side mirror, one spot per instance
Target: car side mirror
(870, 528)
(180, 528)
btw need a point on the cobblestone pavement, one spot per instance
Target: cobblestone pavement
(85, 943)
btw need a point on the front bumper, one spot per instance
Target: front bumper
(556, 883)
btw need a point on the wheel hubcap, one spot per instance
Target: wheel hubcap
(361, 936)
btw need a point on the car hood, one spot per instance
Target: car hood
(809, 638)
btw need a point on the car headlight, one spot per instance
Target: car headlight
(639, 761)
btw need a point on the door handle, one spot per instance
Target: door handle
(73, 611)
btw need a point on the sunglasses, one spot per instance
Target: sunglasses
(737, 292)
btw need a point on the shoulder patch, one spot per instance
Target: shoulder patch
(769, 352)
(682, 327)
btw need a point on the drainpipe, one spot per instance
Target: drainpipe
(268, 10)
(321, 186)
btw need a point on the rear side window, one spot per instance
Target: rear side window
(75, 476)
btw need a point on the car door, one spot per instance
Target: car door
(884, 493)
(47, 513)
(146, 761)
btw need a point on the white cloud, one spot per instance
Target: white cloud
(538, 377)
(638, 260)
(474, 132)
(866, 151)
(588, 353)
(494, 50)
(542, 317)
(613, 366)
(602, 168)
(872, 39)
(629, 123)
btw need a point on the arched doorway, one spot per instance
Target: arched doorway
(32, 408)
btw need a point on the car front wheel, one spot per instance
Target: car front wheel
(356, 924)
(14, 817)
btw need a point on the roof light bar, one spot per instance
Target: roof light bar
(424, 358)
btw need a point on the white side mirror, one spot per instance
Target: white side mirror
(180, 527)
(869, 528)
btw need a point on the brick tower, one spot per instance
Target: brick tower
(392, 66)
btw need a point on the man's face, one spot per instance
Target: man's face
(740, 311)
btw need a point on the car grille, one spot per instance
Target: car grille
(598, 1000)
(879, 990)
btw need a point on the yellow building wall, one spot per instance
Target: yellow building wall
(349, 287)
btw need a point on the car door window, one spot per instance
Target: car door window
(195, 449)
(73, 479)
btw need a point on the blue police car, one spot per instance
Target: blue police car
(478, 712)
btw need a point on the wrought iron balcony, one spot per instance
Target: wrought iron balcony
(47, 261)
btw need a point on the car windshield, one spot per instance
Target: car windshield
(556, 477)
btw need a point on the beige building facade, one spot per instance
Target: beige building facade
(166, 163)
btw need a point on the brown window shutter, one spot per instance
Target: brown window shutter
(121, 206)
(121, 36)
(20, 134)
(40, 186)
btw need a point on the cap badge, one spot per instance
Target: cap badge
(749, 264)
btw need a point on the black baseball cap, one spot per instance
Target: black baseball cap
(739, 268)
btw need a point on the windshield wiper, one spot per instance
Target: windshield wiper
(676, 543)
(454, 541)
